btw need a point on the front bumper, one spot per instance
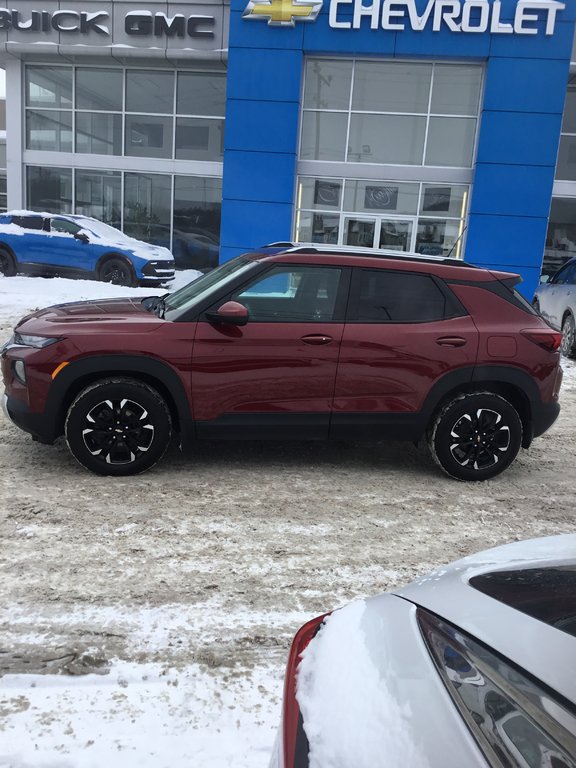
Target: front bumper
(158, 271)
(38, 425)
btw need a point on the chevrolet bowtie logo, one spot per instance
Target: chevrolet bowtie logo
(282, 13)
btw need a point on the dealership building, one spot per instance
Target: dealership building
(429, 126)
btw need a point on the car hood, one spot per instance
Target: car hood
(61, 318)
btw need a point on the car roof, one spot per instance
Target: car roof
(453, 269)
(537, 647)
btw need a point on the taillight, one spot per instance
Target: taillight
(546, 338)
(291, 711)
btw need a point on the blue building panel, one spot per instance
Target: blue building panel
(255, 185)
(261, 126)
(264, 75)
(524, 85)
(255, 223)
(512, 190)
(518, 138)
(505, 240)
(541, 46)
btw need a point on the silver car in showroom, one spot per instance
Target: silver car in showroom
(472, 666)
(555, 299)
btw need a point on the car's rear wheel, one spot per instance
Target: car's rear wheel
(568, 346)
(476, 436)
(7, 263)
(116, 271)
(118, 427)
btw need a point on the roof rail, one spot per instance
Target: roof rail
(372, 253)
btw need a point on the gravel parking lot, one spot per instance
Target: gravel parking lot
(222, 554)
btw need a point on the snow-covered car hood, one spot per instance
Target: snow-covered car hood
(61, 318)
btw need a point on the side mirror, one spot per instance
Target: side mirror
(82, 236)
(230, 313)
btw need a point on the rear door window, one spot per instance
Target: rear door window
(386, 296)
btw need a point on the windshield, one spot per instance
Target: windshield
(101, 229)
(198, 289)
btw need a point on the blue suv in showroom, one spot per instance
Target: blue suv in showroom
(79, 246)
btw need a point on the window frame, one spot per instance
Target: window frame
(453, 308)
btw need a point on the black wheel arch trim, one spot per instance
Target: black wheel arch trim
(84, 371)
(490, 377)
(113, 255)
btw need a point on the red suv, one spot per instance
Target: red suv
(293, 343)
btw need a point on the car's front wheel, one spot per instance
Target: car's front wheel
(568, 346)
(476, 436)
(7, 263)
(118, 427)
(116, 271)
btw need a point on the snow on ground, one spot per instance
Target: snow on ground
(145, 621)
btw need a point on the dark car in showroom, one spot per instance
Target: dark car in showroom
(294, 343)
(471, 666)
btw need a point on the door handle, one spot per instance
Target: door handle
(316, 339)
(451, 341)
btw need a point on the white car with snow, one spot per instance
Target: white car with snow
(79, 246)
(470, 667)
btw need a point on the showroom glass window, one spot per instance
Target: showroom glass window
(566, 166)
(388, 116)
(149, 118)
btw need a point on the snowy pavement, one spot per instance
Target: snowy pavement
(145, 622)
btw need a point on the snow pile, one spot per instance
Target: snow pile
(139, 715)
(350, 713)
(569, 369)
(21, 295)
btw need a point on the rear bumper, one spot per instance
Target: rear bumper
(543, 416)
(36, 424)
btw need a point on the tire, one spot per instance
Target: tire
(568, 345)
(7, 263)
(476, 436)
(118, 427)
(116, 271)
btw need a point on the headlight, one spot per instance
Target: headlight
(25, 340)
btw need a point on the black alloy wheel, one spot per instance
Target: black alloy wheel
(476, 436)
(118, 427)
(7, 263)
(117, 272)
(568, 345)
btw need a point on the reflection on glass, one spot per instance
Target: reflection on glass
(323, 136)
(435, 237)
(566, 167)
(317, 228)
(395, 235)
(561, 236)
(385, 196)
(98, 133)
(49, 189)
(451, 141)
(359, 232)
(147, 206)
(99, 89)
(98, 194)
(396, 139)
(201, 93)
(327, 84)
(149, 91)
(569, 121)
(456, 90)
(49, 130)
(148, 136)
(386, 86)
(445, 199)
(199, 139)
(319, 193)
(196, 235)
(49, 87)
